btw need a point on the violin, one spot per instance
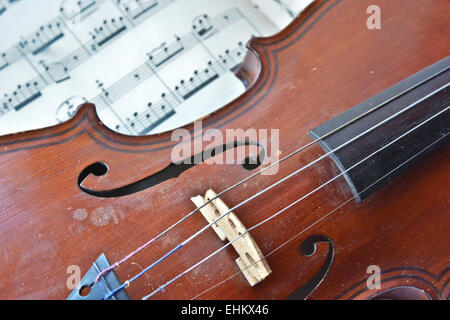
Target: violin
(327, 179)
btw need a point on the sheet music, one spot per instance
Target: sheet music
(148, 65)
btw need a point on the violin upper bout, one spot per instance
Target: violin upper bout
(254, 66)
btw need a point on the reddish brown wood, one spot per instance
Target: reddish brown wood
(324, 63)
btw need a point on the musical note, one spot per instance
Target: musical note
(233, 59)
(203, 27)
(67, 109)
(23, 95)
(43, 38)
(108, 30)
(73, 8)
(105, 92)
(57, 71)
(197, 82)
(5, 105)
(3, 62)
(136, 8)
(75, 58)
(155, 114)
(164, 53)
(52, 31)
(161, 63)
(162, 110)
(145, 71)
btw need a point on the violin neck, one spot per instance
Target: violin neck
(392, 130)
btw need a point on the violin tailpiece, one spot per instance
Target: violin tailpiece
(251, 261)
(99, 290)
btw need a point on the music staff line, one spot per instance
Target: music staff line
(25, 94)
(6, 4)
(141, 123)
(157, 59)
(203, 28)
(53, 30)
(42, 38)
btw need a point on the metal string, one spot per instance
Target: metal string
(161, 288)
(321, 219)
(117, 264)
(268, 188)
(179, 246)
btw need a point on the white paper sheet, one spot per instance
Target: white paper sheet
(148, 65)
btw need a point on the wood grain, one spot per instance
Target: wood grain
(322, 64)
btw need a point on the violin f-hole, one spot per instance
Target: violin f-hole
(308, 248)
(171, 171)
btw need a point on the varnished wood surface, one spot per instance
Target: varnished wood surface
(324, 63)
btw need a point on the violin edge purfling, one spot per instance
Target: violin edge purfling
(323, 64)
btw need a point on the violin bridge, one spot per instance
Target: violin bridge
(251, 261)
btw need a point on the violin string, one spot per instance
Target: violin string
(321, 219)
(145, 245)
(161, 288)
(179, 246)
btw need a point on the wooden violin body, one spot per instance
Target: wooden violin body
(324, 63)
